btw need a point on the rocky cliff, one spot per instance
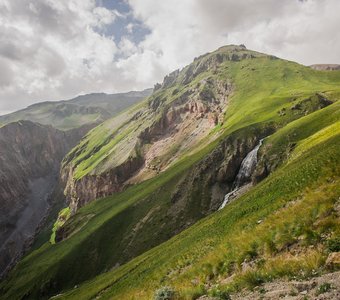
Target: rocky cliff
(30, 156)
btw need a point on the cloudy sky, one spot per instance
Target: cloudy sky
(52, 50)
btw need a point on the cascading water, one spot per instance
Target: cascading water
(247, 167)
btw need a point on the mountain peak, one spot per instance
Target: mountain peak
(209, 61)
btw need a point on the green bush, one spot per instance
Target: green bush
(334, 244)
(222, 295)
(165, 293)
(323, 288)
(197, 292)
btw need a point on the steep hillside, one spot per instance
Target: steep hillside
(30, 156)
(164, 176)
(82, 110)
(188, 111)
(285, 227)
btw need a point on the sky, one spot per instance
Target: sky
(54, 50)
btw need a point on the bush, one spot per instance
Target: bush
(323, 288)
(165, 293)
(252, 279)
(334, 244)
(222, 295)
(197, 292)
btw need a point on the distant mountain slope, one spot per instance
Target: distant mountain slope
(30, 156)
(168, 162)
(86, 109)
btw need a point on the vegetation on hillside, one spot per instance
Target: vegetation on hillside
(282, 228)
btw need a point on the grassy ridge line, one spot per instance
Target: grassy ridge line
(264, 86)
(192, 246)
(73, 113)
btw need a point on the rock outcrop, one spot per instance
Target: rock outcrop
(325, 67)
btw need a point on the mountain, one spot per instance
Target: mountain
(30, 156)
(82, 110)
(146, 188)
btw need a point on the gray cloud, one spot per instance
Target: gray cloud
(53, 50)
(6, 74)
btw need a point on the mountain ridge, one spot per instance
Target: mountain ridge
(78, 111)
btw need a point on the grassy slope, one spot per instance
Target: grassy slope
(263, 86)
(296, 206)
(44, 115)
(98, 143)
(107, 220)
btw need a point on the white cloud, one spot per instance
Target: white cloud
(303, 31)
(54, 49)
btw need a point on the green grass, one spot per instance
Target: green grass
(101, 234)
(63, 216)
(99, 143)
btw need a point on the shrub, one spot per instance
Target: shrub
(252, 252)
(252, 279)
(323, 288)
(165, 293)
(222, 295)
(197, 292)
(334, 244)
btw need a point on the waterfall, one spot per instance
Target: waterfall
(247, 167)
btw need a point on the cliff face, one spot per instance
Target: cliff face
(30, 156)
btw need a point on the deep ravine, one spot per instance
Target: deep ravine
(30, 156)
